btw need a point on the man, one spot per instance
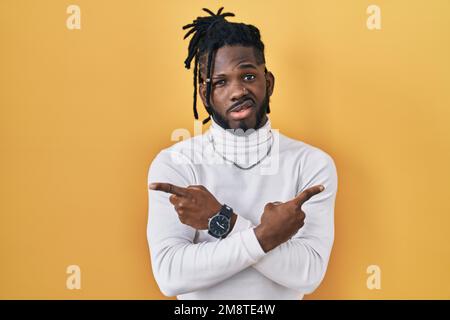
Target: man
(220, 227)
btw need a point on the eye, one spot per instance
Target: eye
(249, 77)
(219, 83)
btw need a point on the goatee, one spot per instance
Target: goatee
(260, 116)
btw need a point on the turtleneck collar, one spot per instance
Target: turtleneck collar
(244, 149)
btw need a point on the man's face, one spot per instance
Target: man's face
(240, 88)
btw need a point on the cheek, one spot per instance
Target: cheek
(219, 98)
(260, 90)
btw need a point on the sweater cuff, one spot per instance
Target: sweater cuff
(241, 224)
(251, 243)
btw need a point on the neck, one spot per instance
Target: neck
(243, 148)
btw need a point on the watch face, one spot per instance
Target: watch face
(219, 225)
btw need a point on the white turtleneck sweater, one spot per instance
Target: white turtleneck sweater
(191, 264)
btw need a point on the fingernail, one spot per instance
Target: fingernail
(321, 188)
(151, 186)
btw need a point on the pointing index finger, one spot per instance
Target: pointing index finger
(305, 195)
(168, 187)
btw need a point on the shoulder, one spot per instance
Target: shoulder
(176, 160)
(304, 152)
(309, 160)
(181, 151)
(312, 165)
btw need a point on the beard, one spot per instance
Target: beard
(260, 115)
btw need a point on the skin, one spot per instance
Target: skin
(236, 68)
(238, 76)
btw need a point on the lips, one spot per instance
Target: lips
(243, 105)
(242, 110)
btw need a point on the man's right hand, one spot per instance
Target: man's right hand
(280, 221)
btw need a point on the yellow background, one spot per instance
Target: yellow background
(84, 112)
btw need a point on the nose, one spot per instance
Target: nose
(238, 92)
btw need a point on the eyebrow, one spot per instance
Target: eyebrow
(241, 66)
(247, 66)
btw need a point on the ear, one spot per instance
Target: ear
(270, 82)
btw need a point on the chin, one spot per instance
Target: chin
(248, 123)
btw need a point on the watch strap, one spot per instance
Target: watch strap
(226, 211)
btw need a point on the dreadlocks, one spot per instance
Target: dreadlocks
(210, 33)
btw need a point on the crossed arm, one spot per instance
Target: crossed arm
(181, 266)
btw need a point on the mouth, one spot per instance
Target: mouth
(242, 110)
(243, 105)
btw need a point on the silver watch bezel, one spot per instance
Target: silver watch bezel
(210, 220)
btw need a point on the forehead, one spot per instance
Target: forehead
(229, 57)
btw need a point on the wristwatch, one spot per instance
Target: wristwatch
(219, 224)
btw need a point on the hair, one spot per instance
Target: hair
(210, 33)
